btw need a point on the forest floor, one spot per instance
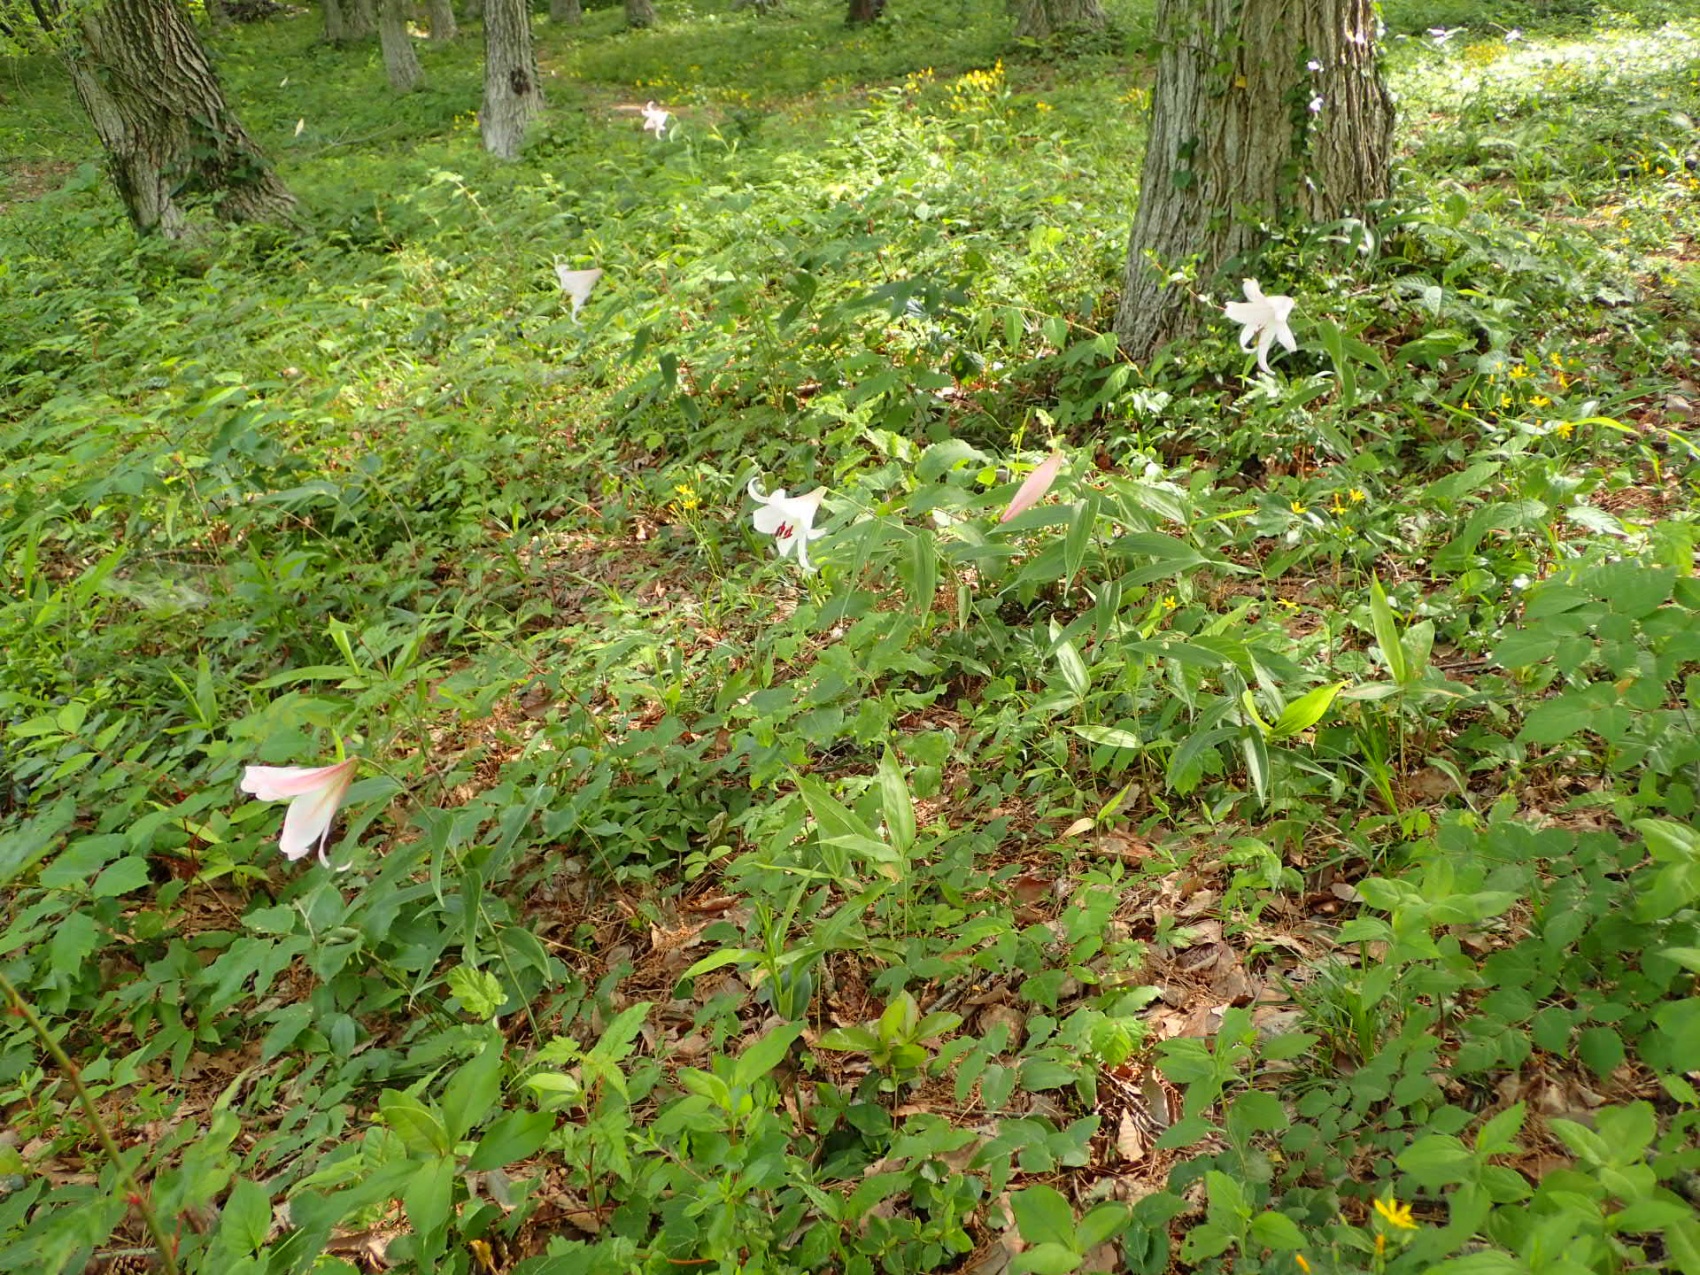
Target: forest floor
(1275, 850)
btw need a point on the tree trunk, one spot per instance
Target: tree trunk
(336, 22)
(442, 18)
(1041, 19)
(218, 16)
(1262, 110)
(475, 9)
(512, 94)
(640, 13)
(361, 18)
(567, 12)
(143, 77)
(863, 11)
(401, 63)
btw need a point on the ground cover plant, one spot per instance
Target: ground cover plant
(1272, 846)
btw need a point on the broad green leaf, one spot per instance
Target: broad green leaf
(767, 1053)
(1387, 634)
(897, 804)
(509, 1138)
(1109, 736)
(1073, 668)
(418, 1126)
(473, 1090)
(1276, 1231)
(1306, 711)
(852, 1039)
(1043, 1216)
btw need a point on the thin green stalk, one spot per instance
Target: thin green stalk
(167, 1255)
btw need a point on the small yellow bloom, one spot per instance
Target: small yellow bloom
(1396, 1214)
(1540, 400)
(1358, 495)
(1337, 507)
(1380, 1245)
(1563, 428)
(1518, 372)
(1505, 400)
(1169, 603)
(1297, 507)
(1303, 1265)
(1042, 106)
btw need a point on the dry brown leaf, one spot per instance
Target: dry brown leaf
(1130, 1143)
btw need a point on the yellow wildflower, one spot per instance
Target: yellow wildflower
(1169, 603)
(1041, 106)
(688, 499)
(1563, 428)
(1540, 400)
(1297, 507)
(1337, 507)
(1303, 1265)
(1396, 1214)
(1518, 371)
(1358, 496)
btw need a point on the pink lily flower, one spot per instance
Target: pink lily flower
(1037, 484)
(313, 794)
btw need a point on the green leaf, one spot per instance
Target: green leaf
(1100, 1224)
(765, 1054)
(1073, 668)
(1043, 1216)
(1602, 1049)
(1108, 736)
(419, 1127)
(1499, 1135)
(1277, 1231)
(129, 873)
(1437, 1160)
(511, 1137)
(1682, 1245)
(479, 991)
(1079, 539)
(1047, 1259)
(74, 941)
(1387, 633)
(1486, 1262)
(429, 1201)
(473, 1090)
(1306, 711)
(897, 804)
(245, 1221)
(855, 1039)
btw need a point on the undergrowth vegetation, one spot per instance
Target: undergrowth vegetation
(1274, 850)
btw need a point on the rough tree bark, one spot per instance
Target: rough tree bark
(512, 94)
(143, 76)
(567, 12)
(442, 19)
(336, 22)
(863, 11)
(640, 13)
(361, 18)
(401, 63)
(1041, 19)
(1262, 110)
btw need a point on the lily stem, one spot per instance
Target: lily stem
(138, 1197)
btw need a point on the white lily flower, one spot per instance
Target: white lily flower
(790, 520)
(1264, 318)
(577, 285)
(655, 120)
(313, 794)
